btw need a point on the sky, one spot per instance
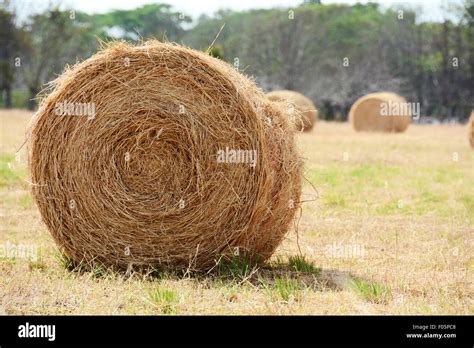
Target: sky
(428, 10)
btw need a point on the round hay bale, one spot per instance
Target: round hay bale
(183, 162)
(381, 112)
(300, 108)
(471, 129)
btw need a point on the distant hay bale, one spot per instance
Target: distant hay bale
(161, 155)
(384, 112)
(471, 129)
(301, 109)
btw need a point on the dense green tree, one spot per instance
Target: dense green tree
(336, 53)
(154, 20)
(54, 40)
(8, 45)
(332, 53)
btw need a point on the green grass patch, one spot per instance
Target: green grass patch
(430, 201)
(67, 262)
(374, 174)
(351, 187)
(448, 174)
(300, 264)
(165, 299)
(25, 201)
(10, 172)
(8, 259)
(331, 176)
(428, 197)
(334, 199)
(372, 292)
(237, 267)
(384, 189)
(287, 288)
(467, 201)
(394, 207)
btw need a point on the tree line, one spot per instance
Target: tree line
(331, 53)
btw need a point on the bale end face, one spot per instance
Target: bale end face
(182, 162)
(300, 109)
(380, 112)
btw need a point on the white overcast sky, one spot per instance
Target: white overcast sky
(431, 10)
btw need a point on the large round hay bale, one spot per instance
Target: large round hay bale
(300, 108)
(384, 112)
(183, 161)
(471, 129)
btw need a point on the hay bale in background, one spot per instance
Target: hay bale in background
(366, 113)
(301, 109)
(471, 129)
(141, 183)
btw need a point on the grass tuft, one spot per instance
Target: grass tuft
(165, 299)
(237, 267)
(372, 292)
(299, 263)
(67, 263)
(287, 288)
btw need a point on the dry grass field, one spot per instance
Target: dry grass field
(388, 229)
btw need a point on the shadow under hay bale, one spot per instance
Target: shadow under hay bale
(300, 108)
(139, 182)
(382, 112)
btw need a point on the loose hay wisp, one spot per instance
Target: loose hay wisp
(139, 182)
(300, 108)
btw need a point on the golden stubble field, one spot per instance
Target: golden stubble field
(388, 229)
